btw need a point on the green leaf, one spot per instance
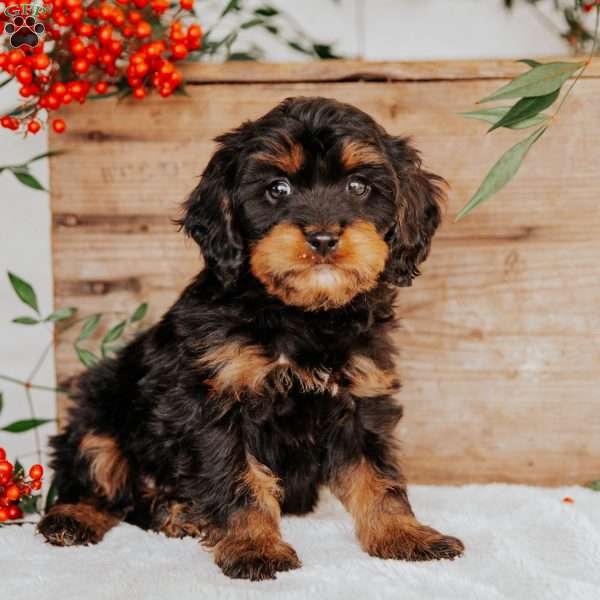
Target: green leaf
(113, 348)
(25, 425)
(502, 172)
(298, 48)
(87, 358)
(1, 401)
(26, 178)
(124, 94)
(266, 11)
(539, 81)
(181, 91)
(594, 485)
(89, 327)
(251, 23)
(114, 333)
(19, 470)
(30, 504)
(231, 5)
(139, 313)
(61, 314)
(526, 108)
(245, 56)
(25, 321)
(530, 62)
(24, 291)
(493, 115)
(324, 51)
(230, 39)
(51, 496)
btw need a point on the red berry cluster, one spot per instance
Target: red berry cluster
(15, 486)
(129, 47)
(589, 6)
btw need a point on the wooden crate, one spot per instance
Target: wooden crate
(500, 344)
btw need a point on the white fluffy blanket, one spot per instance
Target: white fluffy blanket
(522, 543)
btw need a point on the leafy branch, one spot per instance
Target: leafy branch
(575, 30)
(271, 19)
(23, 173)
(57, 323)
(536, 90)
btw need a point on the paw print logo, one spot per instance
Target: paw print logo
(24, 31)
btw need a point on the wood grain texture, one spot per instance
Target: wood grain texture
(357, 70)
(500, 342)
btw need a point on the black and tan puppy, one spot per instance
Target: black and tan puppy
(272, 375)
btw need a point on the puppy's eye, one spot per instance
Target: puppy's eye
(279, 189)
(357, 187)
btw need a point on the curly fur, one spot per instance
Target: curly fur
(272, 374)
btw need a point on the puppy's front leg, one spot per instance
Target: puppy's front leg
(385, 524)
(252, 546)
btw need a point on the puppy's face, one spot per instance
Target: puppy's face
(318, 201)
(316, 212)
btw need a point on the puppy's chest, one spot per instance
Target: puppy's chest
(251, 369)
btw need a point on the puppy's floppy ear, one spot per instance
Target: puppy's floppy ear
(419, 198)
(209, 216)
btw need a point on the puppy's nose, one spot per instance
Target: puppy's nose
(322, 242)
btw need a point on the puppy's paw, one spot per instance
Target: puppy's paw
(64, 530)
(409, 540)
(437, 547)
(250, 559)
(75, 525)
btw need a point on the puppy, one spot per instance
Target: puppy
(273, 374)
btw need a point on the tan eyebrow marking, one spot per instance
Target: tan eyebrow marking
(356, 153)
(289, 160)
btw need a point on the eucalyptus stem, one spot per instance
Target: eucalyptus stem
(33, 386)
(545, 19)
(584, 68)
(36, 433)
(71, 323)
(40, 360)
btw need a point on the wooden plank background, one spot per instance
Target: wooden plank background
(500, 343)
